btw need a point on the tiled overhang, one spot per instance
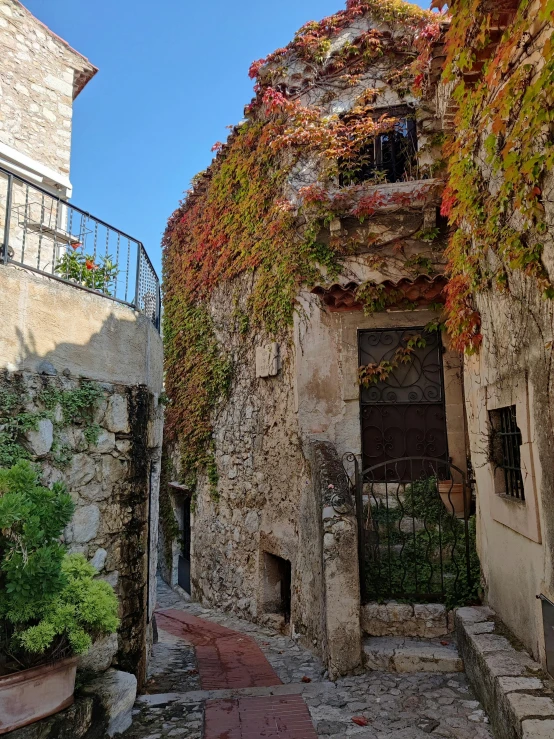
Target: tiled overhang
(421, 291)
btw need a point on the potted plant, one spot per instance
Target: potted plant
(453, 497)
(51, 606)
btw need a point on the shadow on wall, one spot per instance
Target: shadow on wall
(108, 457)
(122, 351)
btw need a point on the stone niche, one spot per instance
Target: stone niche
(276, 589)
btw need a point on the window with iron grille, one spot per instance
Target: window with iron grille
(389, 157)
(506, 451)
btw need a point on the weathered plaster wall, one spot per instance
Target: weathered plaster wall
(55, 335)
(328, 388)
(74, 329)
(514, 367)
(37, 85)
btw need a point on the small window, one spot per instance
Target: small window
(506, 452)
(389, 157)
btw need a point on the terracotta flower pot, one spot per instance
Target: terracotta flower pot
(452, 495)
(28, 696)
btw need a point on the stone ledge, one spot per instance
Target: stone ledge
(102, 709)
(401, 619)
(507, 681)
(116, 691)
(76, 722)
(392, 654)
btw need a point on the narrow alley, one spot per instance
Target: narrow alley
(214, 675)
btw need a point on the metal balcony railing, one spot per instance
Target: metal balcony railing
(47, 235)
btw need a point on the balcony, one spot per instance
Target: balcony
(47, 235)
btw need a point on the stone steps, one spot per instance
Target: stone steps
(398, 654)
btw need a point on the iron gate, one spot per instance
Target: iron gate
(415, 541)
(402, 409)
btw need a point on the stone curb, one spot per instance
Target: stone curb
(198, 696)
(507, 681)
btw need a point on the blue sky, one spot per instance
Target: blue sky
(173, 74)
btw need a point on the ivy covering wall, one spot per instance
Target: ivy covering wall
(499, 153)
(239, 216)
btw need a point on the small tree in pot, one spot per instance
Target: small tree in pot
(51, 606)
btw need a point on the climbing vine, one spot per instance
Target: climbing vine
(502, 148)
(239, 217)
(63, 407)
(373, 373)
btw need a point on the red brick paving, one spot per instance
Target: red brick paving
(229, 659)
(226, 658)
(273, 717)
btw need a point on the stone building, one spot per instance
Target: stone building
(275, 538)
(508, 381)
(80, 351)
(41, 76)
(268, 525)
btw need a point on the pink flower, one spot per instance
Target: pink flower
(217, 146)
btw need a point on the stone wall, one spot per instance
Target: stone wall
(275, 435)
(427, 620)
(58, 339)
(506, 680)
(105, 458)
(262, 475)
(39, 78)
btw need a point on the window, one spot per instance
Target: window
(389, 157)
(506, 443)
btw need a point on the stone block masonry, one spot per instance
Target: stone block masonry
(427, 620)
(39, 78)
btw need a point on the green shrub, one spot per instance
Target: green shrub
(50, 603)
(84, 610)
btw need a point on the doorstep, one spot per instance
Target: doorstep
(397, 654)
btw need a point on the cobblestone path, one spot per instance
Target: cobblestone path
(214, 676)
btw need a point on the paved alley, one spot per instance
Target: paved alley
(214, 676)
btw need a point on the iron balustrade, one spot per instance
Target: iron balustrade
(45, 234)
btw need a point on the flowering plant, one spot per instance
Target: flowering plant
(87, 271)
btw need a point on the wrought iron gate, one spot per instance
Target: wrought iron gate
(402, 410)
(414, 534)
